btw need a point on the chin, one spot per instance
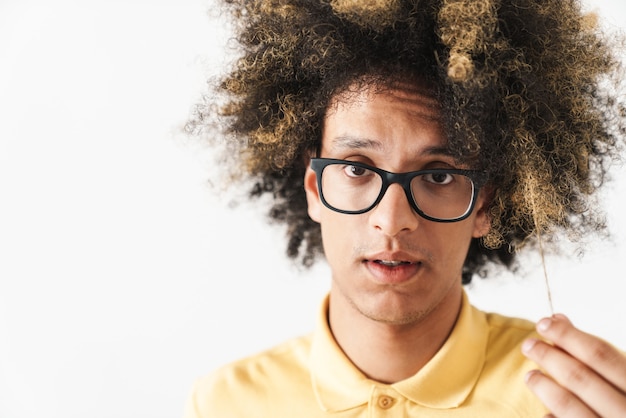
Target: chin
(394, 310)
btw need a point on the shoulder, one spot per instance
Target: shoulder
(503, 352)
(288, 357)
(501, 335)
(501, 324)
(500, 340)
(505, 366)
(506, 332)
(250, 381)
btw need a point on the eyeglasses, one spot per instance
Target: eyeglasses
(440, 194)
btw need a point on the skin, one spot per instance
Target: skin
(404, 314)
(583, 376)
(408, 310)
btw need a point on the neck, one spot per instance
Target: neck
(389, 353)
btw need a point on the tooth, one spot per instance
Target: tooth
(391, 263)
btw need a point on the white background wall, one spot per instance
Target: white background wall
(123, 276)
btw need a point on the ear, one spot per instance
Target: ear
(482, 221)
(312, 195)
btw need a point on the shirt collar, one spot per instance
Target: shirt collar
(444, 382)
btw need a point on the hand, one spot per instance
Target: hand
(583, 376)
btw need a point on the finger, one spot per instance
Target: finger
(577, 378)
(556, 398)
(598, 354)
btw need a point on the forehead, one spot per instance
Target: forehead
(385, 117)
(416, 98)
(384, 112)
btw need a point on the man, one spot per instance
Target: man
(414, 144)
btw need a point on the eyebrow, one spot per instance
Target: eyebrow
(352, 142)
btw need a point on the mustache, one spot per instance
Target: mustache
(415, 250)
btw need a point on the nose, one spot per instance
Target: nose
(394, 214)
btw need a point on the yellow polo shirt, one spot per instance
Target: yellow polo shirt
(479, 372)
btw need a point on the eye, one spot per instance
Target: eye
(355, 171)
(441, 178)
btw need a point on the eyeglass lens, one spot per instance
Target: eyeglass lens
(440, 195)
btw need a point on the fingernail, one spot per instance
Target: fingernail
(528, 345)
(561, 317)
(544, 324)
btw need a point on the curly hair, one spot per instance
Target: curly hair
(530, 93)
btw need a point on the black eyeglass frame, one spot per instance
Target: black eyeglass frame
(478, 179)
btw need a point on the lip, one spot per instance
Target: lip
(392, 275)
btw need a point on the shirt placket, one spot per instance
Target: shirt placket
(385, 402)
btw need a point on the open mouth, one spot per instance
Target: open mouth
(391, 263)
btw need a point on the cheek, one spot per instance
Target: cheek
(339, 236)
(452, 243)
(333, 230)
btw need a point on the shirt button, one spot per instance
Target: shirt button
(385, 402)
